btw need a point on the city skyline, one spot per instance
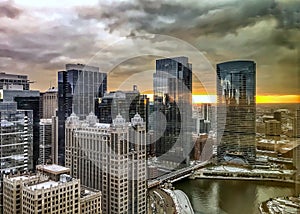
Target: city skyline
(265, 32)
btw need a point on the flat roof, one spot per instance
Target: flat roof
(53, 168)
(44, 185)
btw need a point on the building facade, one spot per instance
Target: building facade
(45, 152)
(49, 193)
(49, 103)
(8, 81)
(16, 141)
(126, 103)
(110, 158)
(236, 110)
(79, 86)
(172, 84)
(272, 128)
(27, 100)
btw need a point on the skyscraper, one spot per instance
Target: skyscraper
(78, 88)
(126, 103)
(172, 84)
(45, 152)
(236, 111)
(49, 103)
(15, 141)
(110, 158)
(27, 100)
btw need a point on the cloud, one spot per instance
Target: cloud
(7, 9)
(41, 40)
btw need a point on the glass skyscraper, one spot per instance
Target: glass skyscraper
(236, 111)
(16, 141)
(79, 86)
(172, 83)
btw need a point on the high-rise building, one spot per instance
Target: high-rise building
(110, 158)
(27, 100)
(49, 103)
(236, 110)
(14, 81)
(172, 84)
(45, 153)
(16, 135)
(79, 86)
(125, 103)
(40, 193)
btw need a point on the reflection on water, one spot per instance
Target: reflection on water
(230, 196)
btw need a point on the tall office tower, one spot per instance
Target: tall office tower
(40, 193)
(15, 141)
(236, 110)
(49, 103)
(27, 100)
(110, 158)
(172, 84)
(14, 81)
(79, 86)
(125, 103)
(45, 155)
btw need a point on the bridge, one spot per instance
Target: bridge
(176, 175)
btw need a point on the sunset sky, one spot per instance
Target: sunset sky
(125, 37)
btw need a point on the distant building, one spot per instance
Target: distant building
(79, 86)
(296, 124)
(110, 158)
(272, 128)
(34, 194)
(45, 153)
(125, 103)
(54, 140)
(236, 110)
(49, 103)
(172, 85)
(14, 81)
(15, 141)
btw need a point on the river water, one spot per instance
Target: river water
(231, 196)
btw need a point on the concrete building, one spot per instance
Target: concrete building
(272, 128)
(16, 142)
(110, 158)
(49, 103)
(79, 86)
(53, 192)
(45, 152)
(54, 140)
(14, 81)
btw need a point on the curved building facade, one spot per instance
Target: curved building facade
(236, 112)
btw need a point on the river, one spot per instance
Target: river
(231, 196)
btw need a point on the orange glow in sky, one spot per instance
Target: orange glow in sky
(259, 98)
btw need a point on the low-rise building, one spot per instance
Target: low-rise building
(49, 191)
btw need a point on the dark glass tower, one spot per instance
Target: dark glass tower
(79, 86)
(125, 103)
(172, 83)
(236, 91)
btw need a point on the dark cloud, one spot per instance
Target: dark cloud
(7, 9)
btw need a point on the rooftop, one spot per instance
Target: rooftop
(53, 168)
(44, 185)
